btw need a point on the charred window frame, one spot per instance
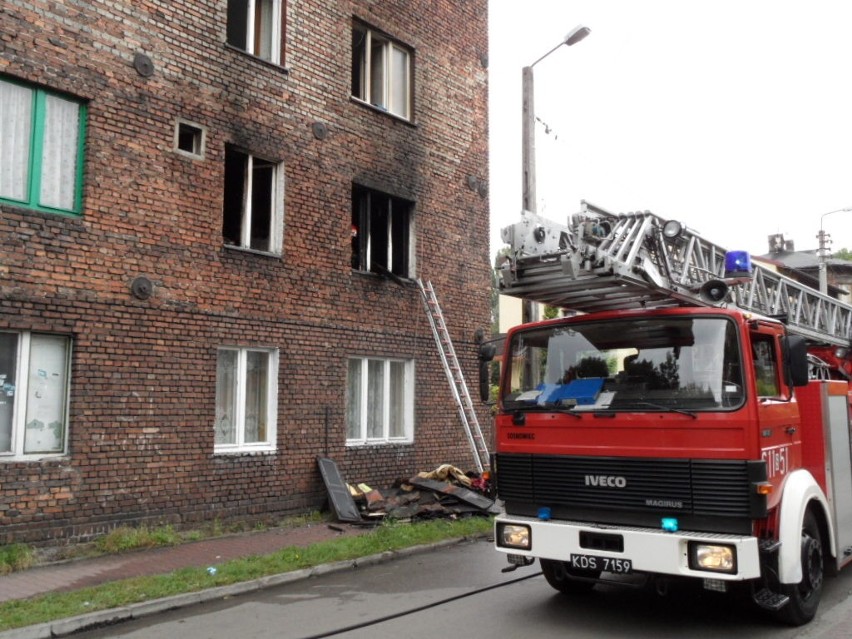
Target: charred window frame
(258, 27)
(382, 71)
(253, 211)
(381, 232)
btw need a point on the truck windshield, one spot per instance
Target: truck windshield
(662, 363)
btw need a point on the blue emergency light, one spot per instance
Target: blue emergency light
(544, 513)
(738, 264)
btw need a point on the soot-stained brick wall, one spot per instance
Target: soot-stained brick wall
(143, 371)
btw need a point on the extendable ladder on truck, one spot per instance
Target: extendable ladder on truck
(452, 368)
(605, 261)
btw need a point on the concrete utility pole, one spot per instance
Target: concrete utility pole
(528, 202)
(824, 242)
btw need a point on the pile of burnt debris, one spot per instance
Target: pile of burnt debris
(444, 492)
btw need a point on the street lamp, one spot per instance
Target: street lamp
(528, 125)
(823, 249)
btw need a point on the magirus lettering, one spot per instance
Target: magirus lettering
(664, 503)
(607, 481)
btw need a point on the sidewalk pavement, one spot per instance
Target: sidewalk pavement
(82, 573)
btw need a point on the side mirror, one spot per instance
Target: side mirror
(486, 354)
(796, 356)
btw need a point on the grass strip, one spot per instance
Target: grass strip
(387, 537)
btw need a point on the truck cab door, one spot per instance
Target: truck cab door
(778, 416)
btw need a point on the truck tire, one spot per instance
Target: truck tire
(805, 595)
(562, 578)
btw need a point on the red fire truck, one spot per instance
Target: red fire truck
(686, 418)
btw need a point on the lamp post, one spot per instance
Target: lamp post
(823, 248)
(528, 123)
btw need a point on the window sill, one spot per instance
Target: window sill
(272, 65)
(243, 452)
(26, 208)
(377, 109)
(402, 279)
(378, 443)
(250, 251)
(31, 459)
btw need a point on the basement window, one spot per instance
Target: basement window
(253, 215)
(381, 232)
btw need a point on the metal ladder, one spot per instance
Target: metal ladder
(450, 361)
(603, 261)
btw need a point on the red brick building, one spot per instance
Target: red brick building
(197, 203)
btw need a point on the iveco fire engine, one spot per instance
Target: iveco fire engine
(687, 417)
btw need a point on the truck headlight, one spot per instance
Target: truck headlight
(712, 557)
(514, 536)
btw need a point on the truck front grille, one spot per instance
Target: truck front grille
(704, 488)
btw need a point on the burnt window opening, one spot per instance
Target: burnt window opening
(257, 27)
(253, 202)
(381, 232)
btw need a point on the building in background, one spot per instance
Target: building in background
(804, 266)
(212, 217)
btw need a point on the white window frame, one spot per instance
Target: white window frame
(199, 139)
(276, 195)
(387, 79)
(364, 403)
(240, 445)
(275, 37)
(21, 395)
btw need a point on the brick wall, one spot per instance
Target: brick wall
(142, 398)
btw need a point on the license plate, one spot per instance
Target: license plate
(605, 564)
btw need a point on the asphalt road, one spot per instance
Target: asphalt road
(461, 593)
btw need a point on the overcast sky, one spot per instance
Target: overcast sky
(732, 116)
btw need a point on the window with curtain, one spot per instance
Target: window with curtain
(246, 392)
(41, 148)
(379, 401)
(33, 395)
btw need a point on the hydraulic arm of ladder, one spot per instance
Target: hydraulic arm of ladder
(603, 261)
(450, 362)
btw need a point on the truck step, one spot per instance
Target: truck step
(769, 600)
(769, 546)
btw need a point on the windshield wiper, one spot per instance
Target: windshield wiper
(668, 409)
(550, 407)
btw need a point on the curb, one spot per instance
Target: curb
(88, 621)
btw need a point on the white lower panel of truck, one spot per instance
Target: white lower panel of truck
(643, 549)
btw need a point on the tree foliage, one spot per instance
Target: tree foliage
(843, 254)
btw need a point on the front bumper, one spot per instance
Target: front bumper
(649, 550)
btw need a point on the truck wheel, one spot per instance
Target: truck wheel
(562, 578)
(805, 595)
